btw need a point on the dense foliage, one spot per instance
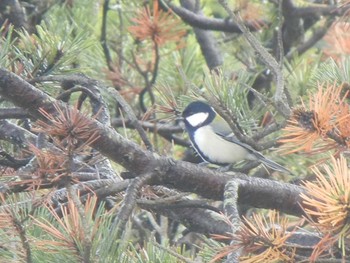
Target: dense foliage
(96, 166)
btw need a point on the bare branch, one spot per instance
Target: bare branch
(202, 22)
(280, 101)
(13, 113)
(131, 116)
(103, 38)
(206, 40)
(184, 176)
(129, 203)
(231, 211)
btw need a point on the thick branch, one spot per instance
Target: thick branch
(202, 22)
(319, 10)
(13, 113)
(181, 175)
(206, 40)
(12, 10)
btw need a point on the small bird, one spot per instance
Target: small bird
(214, 141)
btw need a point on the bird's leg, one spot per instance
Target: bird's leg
(224, 169)
(203, 164)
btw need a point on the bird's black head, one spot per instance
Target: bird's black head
(198, 114)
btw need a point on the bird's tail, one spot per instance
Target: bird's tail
(271, 164)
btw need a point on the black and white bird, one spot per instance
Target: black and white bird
(213, 139)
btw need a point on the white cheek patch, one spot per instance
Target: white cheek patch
(197, 119)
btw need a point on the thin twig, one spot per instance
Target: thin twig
(317, 35)
(171, 252)
(280, 36)
(165, 130)
(231, 211)
(86, 227)
(101, 188)
(129, 203)
(321, 10)
(156, 64)
(103, 38)
(149, 126)
(10, 161)
(181, 175)
(280, 103)
(232, 121)
(150, 83)
(22, 234)
(77, 89)
(268, 130)
(203, 22)
(74, 196)
(120, 43)
(132, 117)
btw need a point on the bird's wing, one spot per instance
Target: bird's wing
(220, 126)
(228, 136)
(233, 139)
(269, 163)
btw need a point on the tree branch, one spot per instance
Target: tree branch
(280, 101)
(184, 176)
(205, 39)
(216, 24)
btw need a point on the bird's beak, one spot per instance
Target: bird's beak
(177, 113)
(180, 121)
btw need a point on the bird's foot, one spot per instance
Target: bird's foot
(224, 169)
(203, 164)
